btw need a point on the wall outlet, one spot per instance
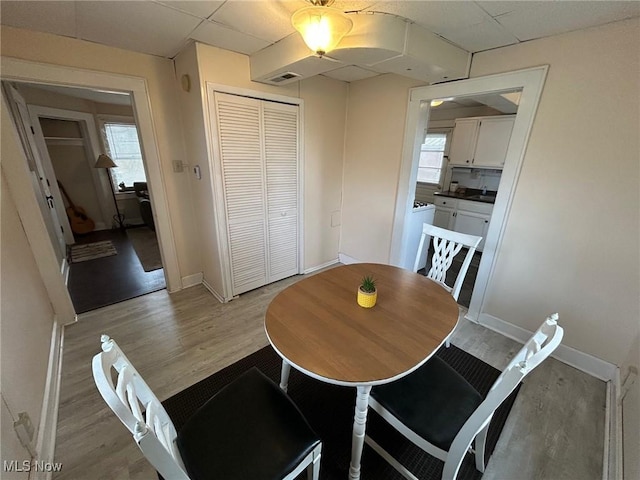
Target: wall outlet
(24, 430)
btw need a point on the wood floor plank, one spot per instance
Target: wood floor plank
(555, 430)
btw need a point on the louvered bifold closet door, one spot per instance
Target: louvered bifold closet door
(241, 153)
(281, 164)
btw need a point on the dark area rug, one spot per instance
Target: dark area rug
(145, 244)
(330, 408)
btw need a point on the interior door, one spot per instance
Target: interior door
(239, 133)
(281, 170)
(40, 180)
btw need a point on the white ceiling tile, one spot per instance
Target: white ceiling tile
(224, 37)
(350, 73)
(267, 20)
(58, 18)
(139, 26)
(495, 8)
(435, 16)
(483, 36)
(541, 19)
(201, 8)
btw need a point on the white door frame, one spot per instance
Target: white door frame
(92, 146)
(531, 81)
(24, 71)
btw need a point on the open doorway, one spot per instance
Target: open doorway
(459, 171)
(111, 250)
(529, 84)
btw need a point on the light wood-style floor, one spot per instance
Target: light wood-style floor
(555, 430)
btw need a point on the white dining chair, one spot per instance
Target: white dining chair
(446, 245)
(249, 430)
(441, 413)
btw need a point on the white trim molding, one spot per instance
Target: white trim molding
(347, 260)
(213, 292)
(191, 280)
(46, 440)
(582, 361)
(320, 267)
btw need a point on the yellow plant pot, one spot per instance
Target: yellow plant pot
(367, 300)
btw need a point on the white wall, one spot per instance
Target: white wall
(572, 237)
(27, 322)
(324, 132)
(324, 117)
(572, 240)
(373, 148)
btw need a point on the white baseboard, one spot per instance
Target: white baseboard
(347, 260)
(320, 267)
(213, 292)
(582, 361)
(46, 440)
(191, 280)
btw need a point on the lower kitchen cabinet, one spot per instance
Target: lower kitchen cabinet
(464, 216)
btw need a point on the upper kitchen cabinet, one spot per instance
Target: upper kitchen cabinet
(481, 141)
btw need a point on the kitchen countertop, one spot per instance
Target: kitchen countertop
(473, 194)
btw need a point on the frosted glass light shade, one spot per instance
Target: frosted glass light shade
(322, 28)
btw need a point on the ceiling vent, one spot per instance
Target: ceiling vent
(282, 78)
(378, 43)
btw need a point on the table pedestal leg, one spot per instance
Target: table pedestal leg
(359, 425)
(284, 375)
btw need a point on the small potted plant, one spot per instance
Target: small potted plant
(367, 293)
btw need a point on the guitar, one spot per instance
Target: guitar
(78, 218)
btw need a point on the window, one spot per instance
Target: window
(432, 154)
(123, 147)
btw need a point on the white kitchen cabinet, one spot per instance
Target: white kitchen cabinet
(481, 141)
(444, 216)
(473, 218)
(258, 162)
(463, 142)
(494, 134)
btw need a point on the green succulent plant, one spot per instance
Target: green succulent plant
(368, 284)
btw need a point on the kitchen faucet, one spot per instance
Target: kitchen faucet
(484, 190)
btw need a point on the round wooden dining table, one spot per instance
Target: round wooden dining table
(317, 327)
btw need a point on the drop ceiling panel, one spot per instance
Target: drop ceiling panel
(541, 19)
(201, 9)
(227, 38)
(266, 20)
(139, 26)
(58, 18)
(483, 36)
(435, 16)
(350, 73)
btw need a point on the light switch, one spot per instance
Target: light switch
(196, 172)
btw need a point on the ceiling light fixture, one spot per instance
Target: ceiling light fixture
(439, 101)
(321, 26)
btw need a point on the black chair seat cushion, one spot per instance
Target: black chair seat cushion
(434, 401)
(250, 430)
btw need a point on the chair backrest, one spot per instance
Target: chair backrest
(446, 245)
(138, 409)
(543, 342)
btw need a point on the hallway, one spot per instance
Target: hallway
(104, 281)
